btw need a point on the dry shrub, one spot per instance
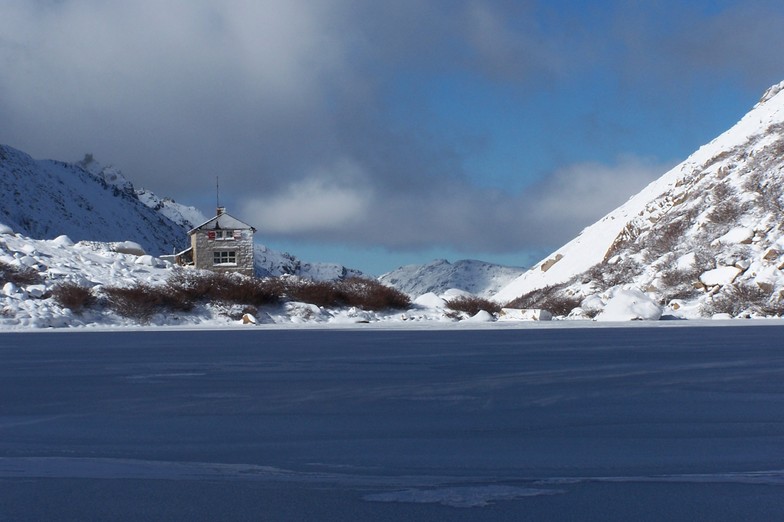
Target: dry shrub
(606, 275)
(736, 299)
(19, 276)
(771, 196)
(73, 296)
(472, 305)
(185, 288)
(367, 294)
(319, 293)
(188, 286)
(666, 238)
(552, 298)
(726, 212)
(722, 192)
(142, 301)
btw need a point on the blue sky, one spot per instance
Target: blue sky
(376, 134)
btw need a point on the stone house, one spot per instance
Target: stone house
(222, 244)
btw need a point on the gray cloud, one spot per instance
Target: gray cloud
(288, 102)
(549, 213)
(728, 42)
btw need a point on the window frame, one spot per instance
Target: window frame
(219, 255)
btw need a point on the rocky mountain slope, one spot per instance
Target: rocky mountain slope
(705, 239)
(476, 277)
(88, 201)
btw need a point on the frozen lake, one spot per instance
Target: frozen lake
(534, 424)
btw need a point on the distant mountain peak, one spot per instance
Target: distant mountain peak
(477, 277)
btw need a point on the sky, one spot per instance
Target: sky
(381, 133)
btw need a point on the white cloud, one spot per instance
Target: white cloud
(330, 200)
(580, 194)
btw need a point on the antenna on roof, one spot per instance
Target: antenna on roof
(219, 209)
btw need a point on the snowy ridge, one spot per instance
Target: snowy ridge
(594, 242)
(718, 210)
(476, 277)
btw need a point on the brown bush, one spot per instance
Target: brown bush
(606, 275)
(19, 276)
(185, 288)
(189, 286)
(726, 212)
(367, 294)
(472, 305)
(666, 238)
(73, 296)
(142, 301)
(736, 299)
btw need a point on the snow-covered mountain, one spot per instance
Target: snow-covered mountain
(89, 201)
(706, 238)
(477, 277)
(45, 199)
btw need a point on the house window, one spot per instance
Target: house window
(222, 235)
(224, 257)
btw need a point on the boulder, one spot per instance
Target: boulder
(128, 247)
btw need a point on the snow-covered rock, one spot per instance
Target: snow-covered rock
(724, 275)
(630, 305)
(129, 247)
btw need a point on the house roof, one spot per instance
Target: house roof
(223, 221)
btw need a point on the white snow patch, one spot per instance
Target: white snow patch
(736, 236)
(724, 275)
(148, 260)
(430, 300)
(455, 293)
(481, 317)
(686, 261)
(524, 314)
(63, 241)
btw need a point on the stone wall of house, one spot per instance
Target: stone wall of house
(203, 249)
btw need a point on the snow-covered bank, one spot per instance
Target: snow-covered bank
(98, 266)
